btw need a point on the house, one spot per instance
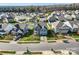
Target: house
(77, 22)
(2, 32)
(61, 18)
(33, 19)
(77, 16)
(24, 27)
(42, 18)
(43, 31)
(66, 27)
(62, 27)
(18, 29)
(8, 27)
(4, 17)
(17, 32)
(74, 26)
(68, 17)
(54, 26)
(11, 18)
(40, 29)
(20, 19)
(37, 29)
(52, 19)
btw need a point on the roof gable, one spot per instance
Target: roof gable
(67, 24)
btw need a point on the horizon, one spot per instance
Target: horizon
(29, 4)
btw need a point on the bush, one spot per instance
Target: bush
(26, 42)
(4, 41)
(8, 37)
(51, 41)
(8, 52)
(33, 53)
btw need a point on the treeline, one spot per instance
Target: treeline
(25, 9)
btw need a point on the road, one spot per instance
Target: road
(40, 46)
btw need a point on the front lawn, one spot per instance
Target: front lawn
(31, 38)
(54, 36)
(75, 36)
(6, 37)
(51, 36)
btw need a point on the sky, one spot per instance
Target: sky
(34, 2)
(27, 4)
(39, 1)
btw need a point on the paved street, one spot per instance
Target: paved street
(40, 46)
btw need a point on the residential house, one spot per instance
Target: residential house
(37, 29)
(43, 31)
(4, 17)
(62, 27)
(40, 29)
(74, 26)
(2, 32)
(11, 18)
(52, 19)
(8, 27)
(77, 16)
(77, 22)
(54, 26)
(66, 27)
(24, 27)
(68, 17)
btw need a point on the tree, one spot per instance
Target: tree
(28, 51)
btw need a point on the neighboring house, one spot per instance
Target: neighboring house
(10, 19)
(33, 19)
(68, 17)
(20, 19)
(37, 29)
(61, 18)
(52, 19)
(4, 18)
(77, 22)
(77, 16)
(9, 27)
(40, 29)
(17, 32)
(66, 27)
(62, 27)
(2, 32)
(74, 26)
(43, 31)
(24, 27)
(43, 18)
(54, 26)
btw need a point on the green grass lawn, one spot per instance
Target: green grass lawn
(75, 36)
(31, 38)
(51, 36)
(6, 37)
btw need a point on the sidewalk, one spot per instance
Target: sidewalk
(43, 39)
